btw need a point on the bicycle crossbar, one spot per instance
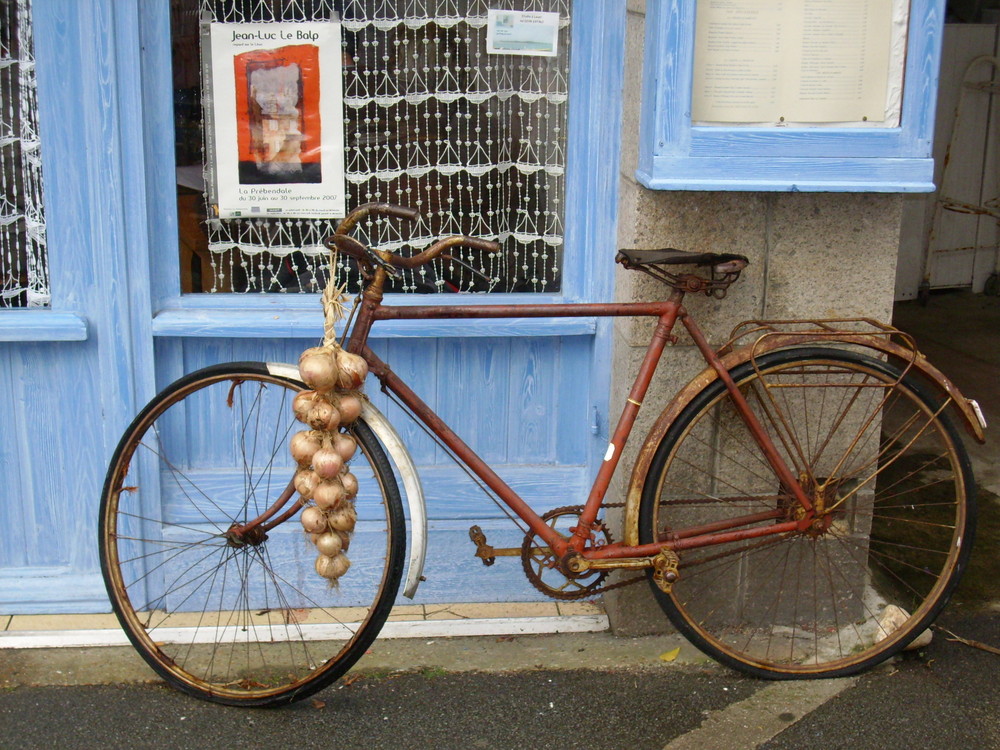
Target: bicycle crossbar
(440, 312)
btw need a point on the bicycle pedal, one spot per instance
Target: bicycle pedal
(483, 551)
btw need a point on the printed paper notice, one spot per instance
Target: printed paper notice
(277, 119)
(807, 61)
(515, 32)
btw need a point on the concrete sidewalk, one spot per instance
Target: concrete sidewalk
(405, 621)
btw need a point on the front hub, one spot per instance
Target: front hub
(238, 537)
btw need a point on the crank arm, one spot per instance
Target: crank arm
(664, 565)
(513, 551)
(580, 564)
(488, 554)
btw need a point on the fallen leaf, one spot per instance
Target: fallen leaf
(670, 655)
(317, 703)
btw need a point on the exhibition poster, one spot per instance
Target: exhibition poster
(277, 145)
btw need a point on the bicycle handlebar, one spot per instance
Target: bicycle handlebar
(456, 240)
(385, 209)
(360, 252)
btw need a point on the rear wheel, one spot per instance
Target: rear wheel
(892, 484)
(242, 622)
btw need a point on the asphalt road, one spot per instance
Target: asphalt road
(544, 709)
(947, 697)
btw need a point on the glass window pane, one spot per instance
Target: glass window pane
(24, 272)
(474, 141)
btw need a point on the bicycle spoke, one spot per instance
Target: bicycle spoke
(175, 473)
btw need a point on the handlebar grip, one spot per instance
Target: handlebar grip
(399, 212)
(477, 243)
(385, 209)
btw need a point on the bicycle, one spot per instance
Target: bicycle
(803, 508)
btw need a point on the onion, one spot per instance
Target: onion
(345, 539)
(324, 416)
(318, 368)
(302, 403)
(350, 483)
(345, 445)
(313, 520)
(332, 567)
(303, 447)
(328, 494)
(349, 406)
(329, 544)
(327, 463)
(352, 370)
(343, 518)
(314, 350)
(306, 481)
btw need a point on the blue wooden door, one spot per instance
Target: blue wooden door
(531, 397)
(70, 373)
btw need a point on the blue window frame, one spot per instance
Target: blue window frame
(676, 154)
(590, 211)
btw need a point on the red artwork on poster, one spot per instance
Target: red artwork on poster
(278, 124)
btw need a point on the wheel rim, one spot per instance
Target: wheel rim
(875, 568)
(243, 623)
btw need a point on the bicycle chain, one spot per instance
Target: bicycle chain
(591, 591)
(584, 592)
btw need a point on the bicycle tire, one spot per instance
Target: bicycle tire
(899, 531)
(250, 625)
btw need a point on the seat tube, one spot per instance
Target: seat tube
(661, 336)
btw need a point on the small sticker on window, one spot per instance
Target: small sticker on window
(516, 32)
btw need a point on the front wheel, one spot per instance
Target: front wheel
(239, 621)
(894, 495)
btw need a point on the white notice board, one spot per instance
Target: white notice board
(799, 62)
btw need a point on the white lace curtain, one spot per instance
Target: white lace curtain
(24, 276)
(476, 142)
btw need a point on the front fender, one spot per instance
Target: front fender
(967, 410)
(406, 470)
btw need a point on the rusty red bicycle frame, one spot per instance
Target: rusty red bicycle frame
(668, 312)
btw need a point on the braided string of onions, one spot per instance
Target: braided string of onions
(324, 480)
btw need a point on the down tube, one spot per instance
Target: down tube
(465, 454)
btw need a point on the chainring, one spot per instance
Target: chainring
(541, 565)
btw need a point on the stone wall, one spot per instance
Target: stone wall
(812, 255)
